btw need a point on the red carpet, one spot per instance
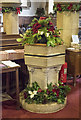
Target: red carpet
(71, 110)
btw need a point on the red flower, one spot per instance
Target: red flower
(53, 90)
(0, 9)
(39, 90)
(42, 18)
(63, 84)
(50, 23)
(18, 10)
(58, 5)
(71, 4)
(50, 29)
(57, 92)
(38, 26)
(34, 30)
(80, 7)
(69, 7)
(55, 35)
(35, 25)
(48, 92)
(54, 85)
(59, 8)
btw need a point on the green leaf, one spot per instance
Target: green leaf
(59, 101)
(19, 39)
(21, 35)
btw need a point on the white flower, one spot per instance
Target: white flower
(30, 92)
(40, 32)
(47, 34)
(62, 83)
(35, 92)
(32, 95)
(57, 84)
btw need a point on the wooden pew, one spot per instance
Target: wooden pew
(9, 42)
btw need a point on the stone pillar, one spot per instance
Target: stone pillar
(4, 20)
(11, 23)
(68, 21)
(44, 63)
(31, 71)
(10, 19)
(43, 76)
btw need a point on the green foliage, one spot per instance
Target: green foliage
(8, 9)
(53, 93)
(42, 31)
(67, 7)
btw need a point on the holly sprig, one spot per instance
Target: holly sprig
(9, 9)
(68, 7)
(42, 31)
(53, 93)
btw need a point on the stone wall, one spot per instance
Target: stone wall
(27, 20)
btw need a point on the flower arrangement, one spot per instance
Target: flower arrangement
(40, 12)
(53, 93)
(42, 31)
(8, 9)
(68, 7)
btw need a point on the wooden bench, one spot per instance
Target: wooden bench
(7, 70)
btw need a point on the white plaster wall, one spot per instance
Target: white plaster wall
(11, 1)
(50, 7)
(32, 10)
